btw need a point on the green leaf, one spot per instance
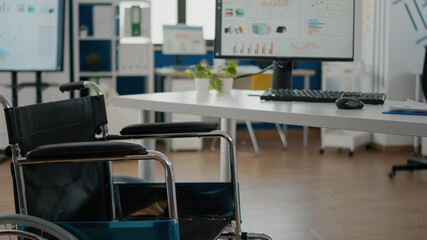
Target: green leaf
(232, 71)
(218, 85)
(189, 72)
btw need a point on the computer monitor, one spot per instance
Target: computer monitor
(181, 40)
(31, 35)
(285, 31)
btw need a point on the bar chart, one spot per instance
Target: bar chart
(274, 3)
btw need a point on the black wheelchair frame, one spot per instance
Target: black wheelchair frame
(94, 152)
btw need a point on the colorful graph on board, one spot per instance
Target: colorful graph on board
(314, 25)
(258, 48)
(326, 4)
(274, 3)
(3, 54)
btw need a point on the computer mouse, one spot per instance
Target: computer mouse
(349, 103)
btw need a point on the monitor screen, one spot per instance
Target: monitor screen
(183, 40)
(31, 35)
(285, 31)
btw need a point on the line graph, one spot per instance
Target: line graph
(305, 46)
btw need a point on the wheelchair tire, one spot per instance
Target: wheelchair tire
(39, 228)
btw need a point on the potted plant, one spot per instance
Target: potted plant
(222, 81)
(219, 78)
(202, 75)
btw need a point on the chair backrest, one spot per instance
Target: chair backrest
(62, 191)
(70, 120)
(262, 81)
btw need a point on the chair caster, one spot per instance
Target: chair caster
(350, 153)
(391, 174)
(367, 147)
(321, 151)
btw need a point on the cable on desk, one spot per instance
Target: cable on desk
(253, 74)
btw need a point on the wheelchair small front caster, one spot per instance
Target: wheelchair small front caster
(391, 174)
(321, 151)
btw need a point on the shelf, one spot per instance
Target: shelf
(96, 74)
(97, 1)
(142, 73)
(102, 48)
(91, 38)
(134, 40)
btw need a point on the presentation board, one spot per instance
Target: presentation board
(31, 35)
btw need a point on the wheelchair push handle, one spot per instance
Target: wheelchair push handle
(66, 87)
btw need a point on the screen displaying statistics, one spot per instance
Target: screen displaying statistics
(31, 35)
(285, 29)
(183, 40)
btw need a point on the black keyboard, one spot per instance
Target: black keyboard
(320, 96)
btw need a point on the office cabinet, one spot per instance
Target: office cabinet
(345, 77)
(112, 43)
(419, 96)
(183, 144)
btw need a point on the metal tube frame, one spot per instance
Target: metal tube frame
(152, 155)
(93, 86)
(20, 233)
(232, 158)
(169, 176)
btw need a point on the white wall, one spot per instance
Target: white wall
(389, 47)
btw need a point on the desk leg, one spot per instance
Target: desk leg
(305, 128)
(147, 169)
(229, 126)
(305, 137)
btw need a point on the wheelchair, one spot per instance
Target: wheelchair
(64, 187)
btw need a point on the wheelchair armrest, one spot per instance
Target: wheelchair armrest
(104, 151)
(165, 128)
(77, 150)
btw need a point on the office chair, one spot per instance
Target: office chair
(61, 153)
(412, 163)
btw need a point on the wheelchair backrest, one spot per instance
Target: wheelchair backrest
(72, 120)
(62, 191)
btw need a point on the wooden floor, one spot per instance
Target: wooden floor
(300, 194)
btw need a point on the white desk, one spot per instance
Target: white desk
(170, 73)
(240, 105)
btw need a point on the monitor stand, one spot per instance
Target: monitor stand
(39, 85)
(282, 74)
(178, 64)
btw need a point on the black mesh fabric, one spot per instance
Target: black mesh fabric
(62, 191)
(71, 120)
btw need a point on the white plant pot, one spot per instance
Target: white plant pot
(202, 85)
(227, 84)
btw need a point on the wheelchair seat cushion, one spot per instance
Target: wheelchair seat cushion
(175, 127)
(75, 150)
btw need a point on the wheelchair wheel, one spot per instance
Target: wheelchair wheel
(16, 226)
